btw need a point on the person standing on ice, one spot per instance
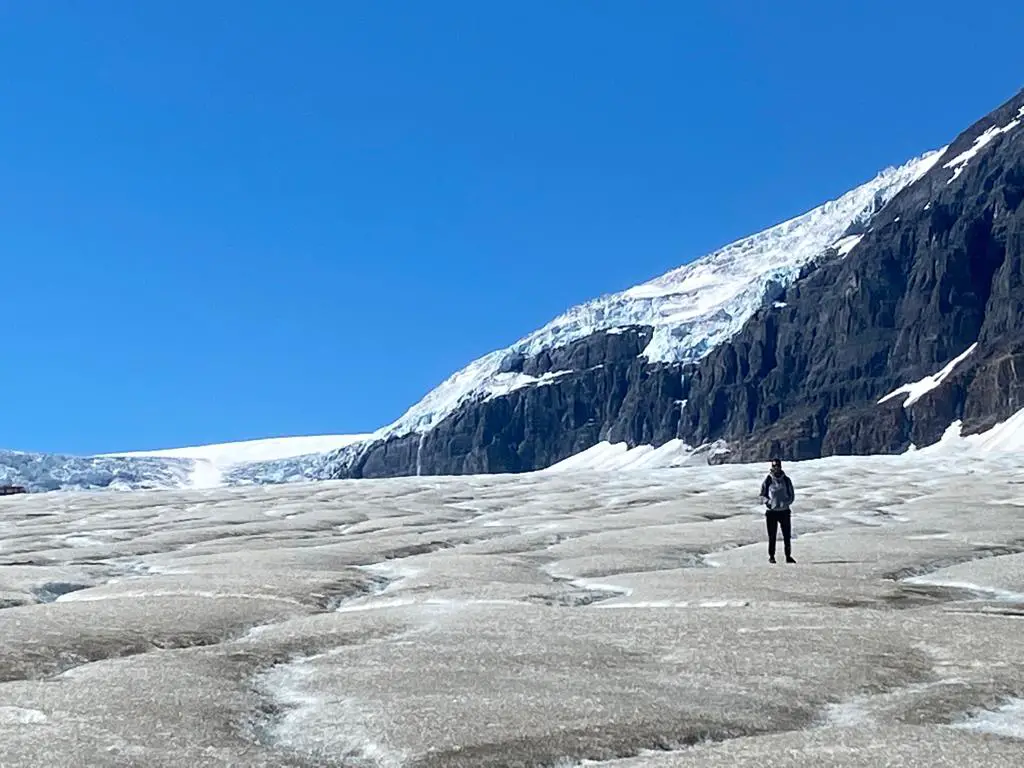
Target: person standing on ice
(777, 494)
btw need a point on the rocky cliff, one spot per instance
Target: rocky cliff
(936, 277)
(600, 389)
(888, 286)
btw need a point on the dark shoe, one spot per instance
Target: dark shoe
(790, 559)
(771, 559)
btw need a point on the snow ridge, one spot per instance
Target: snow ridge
(960, 162)
(693, 308)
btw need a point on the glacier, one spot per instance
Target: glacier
(225, 463)
(262, 461)
(40, 472)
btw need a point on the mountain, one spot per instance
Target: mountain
(875, 323)
(786, 342)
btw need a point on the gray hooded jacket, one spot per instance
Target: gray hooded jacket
(777, 492)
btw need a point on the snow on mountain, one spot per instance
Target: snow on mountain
(846, 244)
(1001, 443)
(693, 308)
(959, 163)
(1005, 437)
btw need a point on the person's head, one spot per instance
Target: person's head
(776, 466)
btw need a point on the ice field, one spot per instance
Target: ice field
(558, 618)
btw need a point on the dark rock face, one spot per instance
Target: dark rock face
(940, 268)
(602, 390)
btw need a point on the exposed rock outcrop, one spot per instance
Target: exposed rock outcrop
(602, 390)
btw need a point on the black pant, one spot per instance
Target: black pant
(775, 521)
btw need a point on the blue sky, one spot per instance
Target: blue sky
(222, 220)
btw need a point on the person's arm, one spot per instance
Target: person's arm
(792, 492)
(764, 489)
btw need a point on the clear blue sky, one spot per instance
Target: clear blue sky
(222, 220)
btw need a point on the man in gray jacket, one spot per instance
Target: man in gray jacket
(777, 494)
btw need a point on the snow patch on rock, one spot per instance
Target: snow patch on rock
(918, 389)
(960, 162)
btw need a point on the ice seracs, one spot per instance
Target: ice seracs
(50, 472)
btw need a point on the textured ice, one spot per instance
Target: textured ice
(20, 716)
(542, 619)
(1007, 720)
